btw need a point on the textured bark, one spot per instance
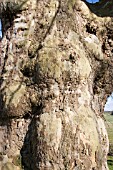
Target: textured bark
(56, 73)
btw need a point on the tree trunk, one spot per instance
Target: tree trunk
(56, 72)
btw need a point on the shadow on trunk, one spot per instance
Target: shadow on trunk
(8, 12)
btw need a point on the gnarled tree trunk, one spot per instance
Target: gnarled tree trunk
(56, 72)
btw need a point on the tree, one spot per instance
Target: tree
(52, 91)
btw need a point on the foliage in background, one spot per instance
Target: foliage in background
(109, 125)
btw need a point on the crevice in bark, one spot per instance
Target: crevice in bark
(28, 151)
(90, 29)
(8, 12)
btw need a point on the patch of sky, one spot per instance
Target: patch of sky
(92, 1)
(1, 35)
(109, 104)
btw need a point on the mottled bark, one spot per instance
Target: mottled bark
(56, 73)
